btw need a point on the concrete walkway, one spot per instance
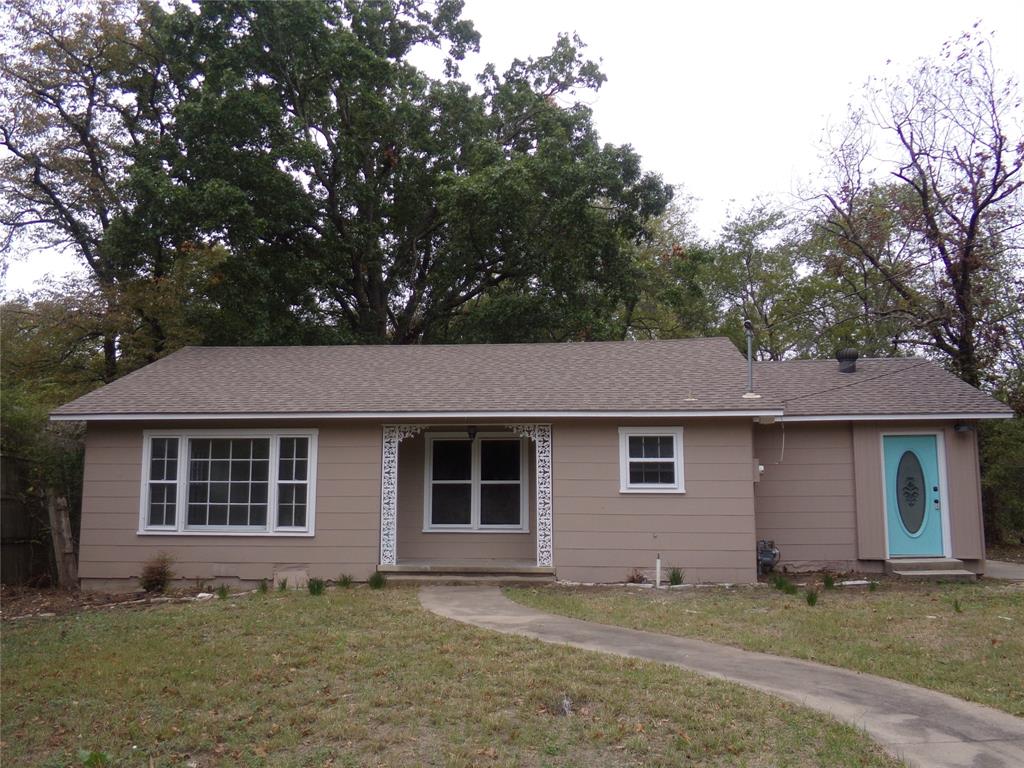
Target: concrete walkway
(922, 727)
(1000, 569)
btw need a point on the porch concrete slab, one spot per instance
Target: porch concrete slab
(922, 727)
(1000, 569)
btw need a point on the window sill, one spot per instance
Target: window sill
(677, 491)
(462, 529)
(251, 534)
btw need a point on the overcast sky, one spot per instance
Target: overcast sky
(728, 99)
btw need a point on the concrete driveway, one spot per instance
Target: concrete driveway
(922, 727)
(1000, 569)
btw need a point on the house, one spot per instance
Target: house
(583, 460)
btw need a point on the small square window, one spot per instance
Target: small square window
(651, 460)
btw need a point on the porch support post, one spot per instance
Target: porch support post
(541, 436)
(393, 435)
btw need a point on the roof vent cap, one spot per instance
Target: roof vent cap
(847, 360)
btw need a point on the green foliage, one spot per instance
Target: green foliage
(812, 597)
(783, 584)
(223, 592)
(263, 587)
(282, 585)
(377, 580)
(1002, 458)
(93, 759)
(872, 586)
(315, 586)
(675, 577)
(828, 581)
(157, 573)
(957, 607)
(345, 581)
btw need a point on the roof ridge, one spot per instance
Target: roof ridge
(923, 362)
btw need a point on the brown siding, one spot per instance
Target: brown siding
(805, 499)
(824, 504)
(416, 544)
(347, 515)
(601, 534)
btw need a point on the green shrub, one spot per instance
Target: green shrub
(157, 574)
(345, 580)
(829, 581)
(223, 592)
(315, 586)
(872, 586)
(263, 587)
(956, 605)
(93, 759)
(377, 580)
(282, 585)
(675, 577)
(812, 597)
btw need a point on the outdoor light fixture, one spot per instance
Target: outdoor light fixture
(471, 431)
(963, 427)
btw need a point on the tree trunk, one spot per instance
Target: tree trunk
(63, 543)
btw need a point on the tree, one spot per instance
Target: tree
(937, 247)
(360, 199)
(67, 131)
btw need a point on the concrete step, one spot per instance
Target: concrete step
(953, 574)
(907, 564)
(479, 579)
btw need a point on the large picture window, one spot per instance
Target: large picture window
(221, 482)
(475, 485)
(651, 460)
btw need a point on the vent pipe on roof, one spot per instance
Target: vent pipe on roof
(748, 330)
(847, 360)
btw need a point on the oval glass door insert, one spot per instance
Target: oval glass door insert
(911, 492)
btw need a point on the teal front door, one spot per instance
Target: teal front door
(913, 500)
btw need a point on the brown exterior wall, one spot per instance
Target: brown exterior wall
(416, 544)
(805, 499)
(601, 535)
(347, 515)
(823, 502)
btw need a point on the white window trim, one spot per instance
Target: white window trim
(676, 433)
(475, 484)
(181, 507)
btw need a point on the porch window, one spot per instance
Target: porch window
(228, 482)
(475, 485)
(651, 460)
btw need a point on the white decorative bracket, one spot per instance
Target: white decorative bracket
(393, 435)
(541, 436)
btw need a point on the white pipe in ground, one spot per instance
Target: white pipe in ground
(657, 572)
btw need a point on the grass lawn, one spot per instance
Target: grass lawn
(357, 678)
(907, 632)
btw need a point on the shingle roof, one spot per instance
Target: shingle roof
(885, 387)
(680, 376)
(651, 376)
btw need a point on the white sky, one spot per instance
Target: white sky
(729, 99)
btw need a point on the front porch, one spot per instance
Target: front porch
(466, 500)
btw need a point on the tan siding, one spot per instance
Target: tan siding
(601, 534)
(963, 479)
(805, 500)
(416, 544)
(347, 515)
(867, 458)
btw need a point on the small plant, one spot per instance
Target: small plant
(263, 587)
(812, 597)
(223, 592)
(90, 758)
(829, 581)
(282, 585)
(377, 580)
(315, 586)
(157, 574)
(872, 586)
(636, 577)
(956, 605)
(345, 580)
(675, 577)
(783, 584)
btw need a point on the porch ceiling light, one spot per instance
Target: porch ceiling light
(471, 431)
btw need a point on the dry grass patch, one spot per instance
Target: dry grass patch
(909, 632)
(358, 677)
